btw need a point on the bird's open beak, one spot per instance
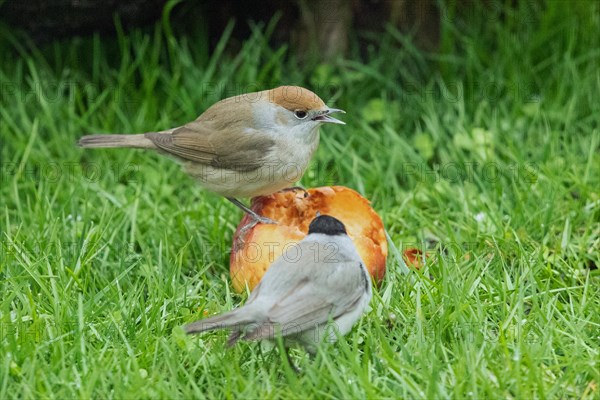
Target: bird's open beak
(324, 116)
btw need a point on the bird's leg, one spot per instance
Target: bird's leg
(255, 217)
(297, 370)
(294, 188)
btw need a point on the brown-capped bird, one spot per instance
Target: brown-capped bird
(254, 144)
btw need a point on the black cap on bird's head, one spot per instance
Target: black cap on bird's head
(327, 225)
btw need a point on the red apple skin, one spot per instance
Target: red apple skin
(254, 249)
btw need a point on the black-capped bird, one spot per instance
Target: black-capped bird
(306, 299)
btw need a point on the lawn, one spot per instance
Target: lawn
(485, 155)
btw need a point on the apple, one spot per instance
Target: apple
(255, 247)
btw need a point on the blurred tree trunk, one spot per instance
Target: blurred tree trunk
(323, 30)
(326, 24)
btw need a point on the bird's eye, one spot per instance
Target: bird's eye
(300, 114)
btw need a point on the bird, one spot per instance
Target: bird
(253, 144)
(305, 299)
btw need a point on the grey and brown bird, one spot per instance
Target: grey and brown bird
(254, 144)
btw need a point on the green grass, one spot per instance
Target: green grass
(485, 155)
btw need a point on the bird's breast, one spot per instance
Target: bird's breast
(281, 167)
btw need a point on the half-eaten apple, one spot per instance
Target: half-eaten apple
(255, 247)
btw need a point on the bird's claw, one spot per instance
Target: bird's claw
(256, 219)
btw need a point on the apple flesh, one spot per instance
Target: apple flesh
(256, 247)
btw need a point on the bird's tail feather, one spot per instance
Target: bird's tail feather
(139, 141)
(232, 320)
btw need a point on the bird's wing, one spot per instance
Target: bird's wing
(308, 292)
(226, 148)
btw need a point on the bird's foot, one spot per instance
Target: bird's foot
(259, 219)
(256, 219)
(296, 369)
